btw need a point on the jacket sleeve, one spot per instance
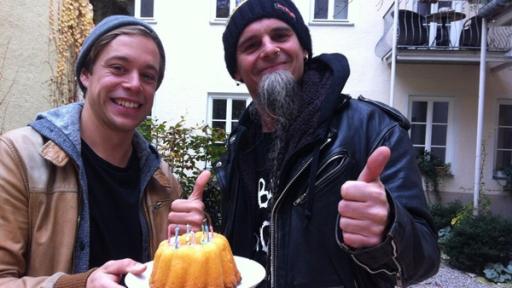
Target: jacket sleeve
(14, 222)
(409, 252)
(174, 186)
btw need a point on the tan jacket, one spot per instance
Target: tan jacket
(39, 204)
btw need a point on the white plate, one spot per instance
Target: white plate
(252, 273)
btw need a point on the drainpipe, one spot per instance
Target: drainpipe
(481, 104)
(393, 55)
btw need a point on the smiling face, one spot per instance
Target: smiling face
(265, 46)
(121, 84)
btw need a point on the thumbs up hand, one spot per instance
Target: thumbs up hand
(189, 211)
(364, 208)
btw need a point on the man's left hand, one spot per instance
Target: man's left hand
(364, 208)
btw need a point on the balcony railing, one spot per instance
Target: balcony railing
(441, 31)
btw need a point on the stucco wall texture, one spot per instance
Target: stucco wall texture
(24, 61)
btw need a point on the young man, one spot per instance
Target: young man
(79, 186)
(322, 189)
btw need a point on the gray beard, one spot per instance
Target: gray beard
(278, 100)
(277, 97)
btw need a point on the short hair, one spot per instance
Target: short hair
(113, 27)
(104, 40)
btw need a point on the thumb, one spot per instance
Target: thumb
(136, 268)
(375, 164)
(123, 266)
(201, 181)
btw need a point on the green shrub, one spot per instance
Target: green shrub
(189, 150)
(434, 170)
(443, 214)
(475, 241)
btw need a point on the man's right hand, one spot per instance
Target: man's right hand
(189, 211)
(109, 275)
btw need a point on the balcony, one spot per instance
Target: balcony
(430, 31)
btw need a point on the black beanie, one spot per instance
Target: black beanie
(106, 25)
(253, 10)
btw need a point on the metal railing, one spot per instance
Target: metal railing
(443, 25)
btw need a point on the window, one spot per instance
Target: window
(333, 10)
(423, 8)
(429, 125)
(137, 8)
(504, 136)
(141, 8)
(224, 8)
(444, 4)
(225, 111)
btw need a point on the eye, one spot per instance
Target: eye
(249, 46)
(117, 68)
(149, 77)
(280, 36)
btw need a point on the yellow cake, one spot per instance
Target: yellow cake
(197, 260)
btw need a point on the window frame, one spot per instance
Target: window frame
(213, 11)
(429, 122)
(229, 97)
(138, 8)
(330, 20)
(498, 174)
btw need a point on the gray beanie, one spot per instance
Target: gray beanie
(254, 10)
(107, 25)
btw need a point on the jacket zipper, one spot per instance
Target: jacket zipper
(273, 236)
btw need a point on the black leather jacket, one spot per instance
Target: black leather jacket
(306, 244)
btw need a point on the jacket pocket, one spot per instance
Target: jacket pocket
(330, 169)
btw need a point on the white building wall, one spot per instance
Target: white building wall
(195, 55)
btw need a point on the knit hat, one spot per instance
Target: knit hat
(107, 25)
(253, 10)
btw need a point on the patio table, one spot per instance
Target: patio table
(444, 17)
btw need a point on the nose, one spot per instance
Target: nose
(270, 49)
(133, 81)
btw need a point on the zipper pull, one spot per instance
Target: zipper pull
(300, 199)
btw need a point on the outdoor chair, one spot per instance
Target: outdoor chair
(470, 35)
(412, 29)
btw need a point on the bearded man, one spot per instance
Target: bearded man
(321, 189)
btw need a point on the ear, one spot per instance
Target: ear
(306, 55)
(238, 78)
(84, 77)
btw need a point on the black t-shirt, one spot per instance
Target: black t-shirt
(264, 199)
(115, 231)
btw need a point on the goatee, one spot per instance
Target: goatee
(278, 100)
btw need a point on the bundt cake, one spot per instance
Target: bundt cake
(199, 259)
